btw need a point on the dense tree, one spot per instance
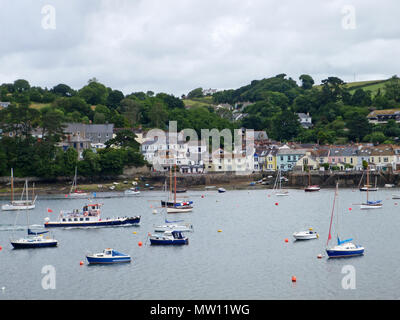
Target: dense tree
(307, 81)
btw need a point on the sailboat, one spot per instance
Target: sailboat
(280, 191)
(35, 239)
(74, 192)
(176, 206)
(19, 204)
(370, 204)
(368, 187)
(344, 248)
(311, 188)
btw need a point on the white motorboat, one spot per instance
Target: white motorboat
(131, 191)
(306, 235)
(395, 196)
(174, 227)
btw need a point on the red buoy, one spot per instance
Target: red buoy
(81, 263)
(286, 240)
(140, 243)
(1, 248)
(276, 203)
(350, 209)
(294, 279)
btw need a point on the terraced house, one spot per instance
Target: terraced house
(287, 158)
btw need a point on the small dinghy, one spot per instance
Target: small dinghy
(306, 235)
(169, 238)
(221, 190)
(108, 256)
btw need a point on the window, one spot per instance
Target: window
(87, 219)
(281, 158)
(288, 158)
(80, 219)
(385, 160)
(75, 219)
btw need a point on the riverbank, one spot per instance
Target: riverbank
(229, 181)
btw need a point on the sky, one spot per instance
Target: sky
(174, 46)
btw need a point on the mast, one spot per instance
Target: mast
(309, 177)
(12, 185)
(367, 182)
(170, 181)
(175, 184)
(333, 210)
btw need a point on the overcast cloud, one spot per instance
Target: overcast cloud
(174, 46)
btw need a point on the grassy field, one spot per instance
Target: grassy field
(39, 106)
(371, 85)
(198, 102)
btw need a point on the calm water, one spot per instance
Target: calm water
(249, 259)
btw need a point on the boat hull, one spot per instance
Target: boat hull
(169, 242)
(179, 210)
(10, 207)
(101, 223)
(107, 260)
(305, 236)
(369, 206)
(344, 253)
(28, 245)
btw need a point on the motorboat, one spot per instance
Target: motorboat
(131, 191)
(169, 238)
(89, 216)
(306, 235)
(174, 227)
(221, 190)
(108, 256)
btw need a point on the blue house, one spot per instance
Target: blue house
(286, 158)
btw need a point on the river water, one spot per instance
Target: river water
(247, 259)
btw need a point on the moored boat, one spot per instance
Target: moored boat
(169, 238)
(344, 248)
(108, 256)
(75, 192)
(221, 190)
(90, 216)
(34, 242)
(131, 191)
(306, 235)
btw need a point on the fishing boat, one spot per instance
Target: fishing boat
(377, 204)
(306, 235)
(169, 238)
(89, 216)
(131, 191)
(34, 239)
(75, 192)
(221, 190)
(344, 248)
(108, 256)
(173, 205)
(22, 204)
(311, 188)
(278, 182)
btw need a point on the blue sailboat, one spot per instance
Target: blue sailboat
(344, 248)
(35, 239)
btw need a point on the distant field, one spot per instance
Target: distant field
(39, 106)
(198, 102)
(371, 85)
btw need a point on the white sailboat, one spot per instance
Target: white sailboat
(278, 181)
(19, 204)
(74, 192)
(370, 204)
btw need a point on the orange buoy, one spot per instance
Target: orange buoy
(149, 234)
(294, 279)
(140, 243)
(319, 256)
(81, 263)
(286, 240)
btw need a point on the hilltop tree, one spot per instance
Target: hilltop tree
(307, 81)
